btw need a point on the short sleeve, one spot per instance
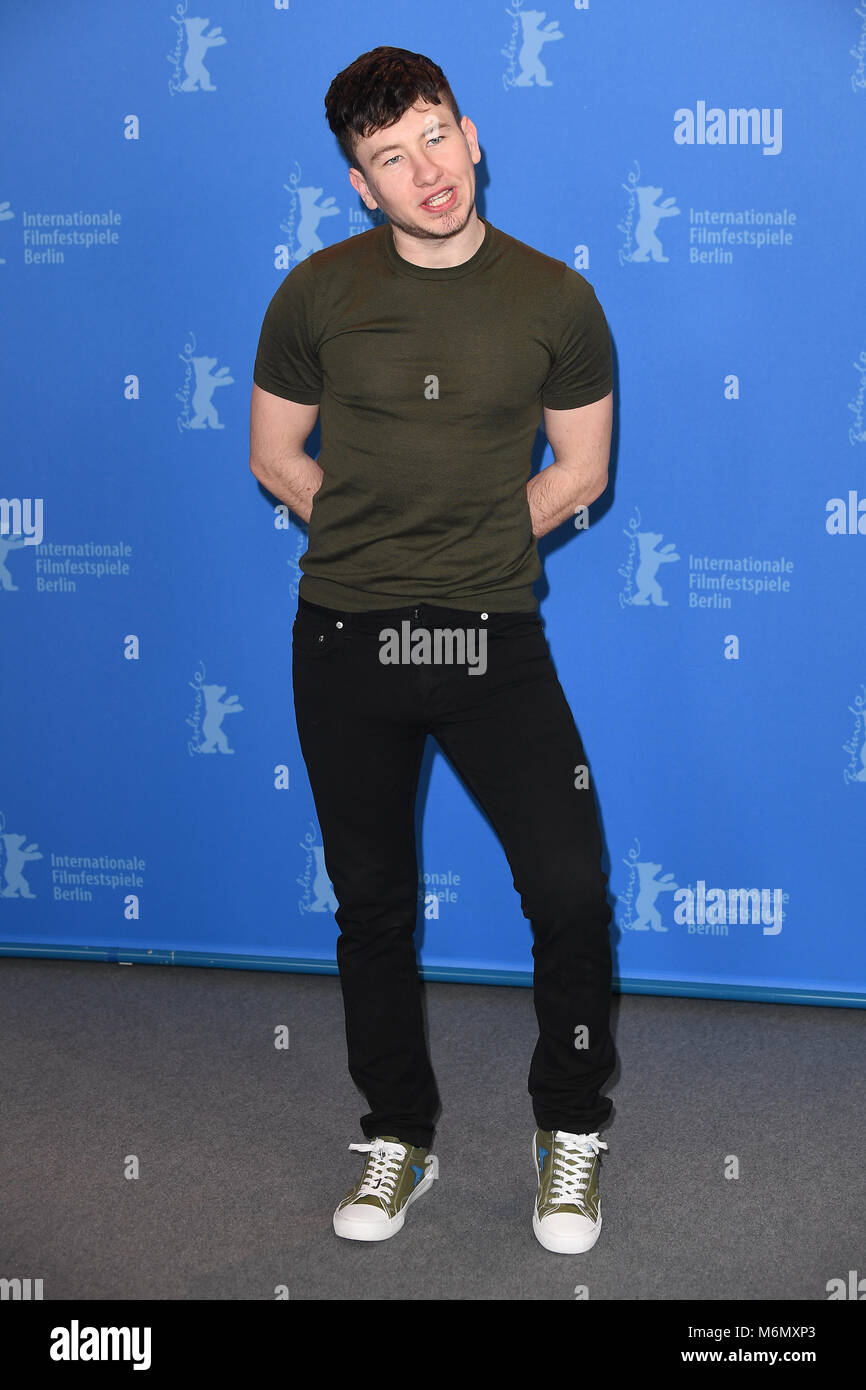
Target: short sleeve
(581, 369)
(287, 363)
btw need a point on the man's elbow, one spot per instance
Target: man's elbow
(598, 486)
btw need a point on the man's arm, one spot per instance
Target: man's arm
(279, 429)
(580, 440)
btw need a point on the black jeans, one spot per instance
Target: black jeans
(509, 733)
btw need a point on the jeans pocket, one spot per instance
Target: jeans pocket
(313, 636)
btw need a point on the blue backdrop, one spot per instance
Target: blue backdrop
(702, 166)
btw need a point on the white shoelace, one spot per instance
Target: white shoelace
(572, 1160)
(383, 1168)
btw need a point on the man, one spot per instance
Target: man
(432, 343)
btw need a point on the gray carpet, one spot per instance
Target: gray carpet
(243, 1149)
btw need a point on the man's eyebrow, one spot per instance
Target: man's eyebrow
(386, 149)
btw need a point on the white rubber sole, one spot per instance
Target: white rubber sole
(350, 1229)
(561, 1245)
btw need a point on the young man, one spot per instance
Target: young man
(431, 344)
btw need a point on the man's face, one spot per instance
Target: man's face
(423, 154)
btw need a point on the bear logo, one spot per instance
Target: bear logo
(311, 213)
(324, 900)
(215, 710)
(648, 587)
(206, 381)
(534, 39)
(8, 543)
(197, 45)
(5, 214)
(648, 915)
(651, 214)
(17, 855)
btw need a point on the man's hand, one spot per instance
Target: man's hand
(580, 440)
(279, 430)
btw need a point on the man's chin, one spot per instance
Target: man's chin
(449, 224)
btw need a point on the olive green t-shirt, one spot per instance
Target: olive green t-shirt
(430, 385)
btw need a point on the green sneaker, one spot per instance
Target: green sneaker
(394, 1174)
(567, 1214)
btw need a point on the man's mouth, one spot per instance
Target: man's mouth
(443, 198)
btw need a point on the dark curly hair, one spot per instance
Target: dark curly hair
(377, 89)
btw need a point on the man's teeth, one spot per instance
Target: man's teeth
(440, 198)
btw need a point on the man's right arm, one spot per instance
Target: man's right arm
(279, 429)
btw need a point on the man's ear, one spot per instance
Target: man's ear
(471, 136)
(359, 183)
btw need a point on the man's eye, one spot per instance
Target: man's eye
(434, 140)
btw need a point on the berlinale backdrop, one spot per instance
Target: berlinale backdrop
(165, 167)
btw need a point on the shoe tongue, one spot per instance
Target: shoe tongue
(390, 1139)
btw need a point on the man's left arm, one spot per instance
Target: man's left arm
(580, 440)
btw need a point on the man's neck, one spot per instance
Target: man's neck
(444, 254)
